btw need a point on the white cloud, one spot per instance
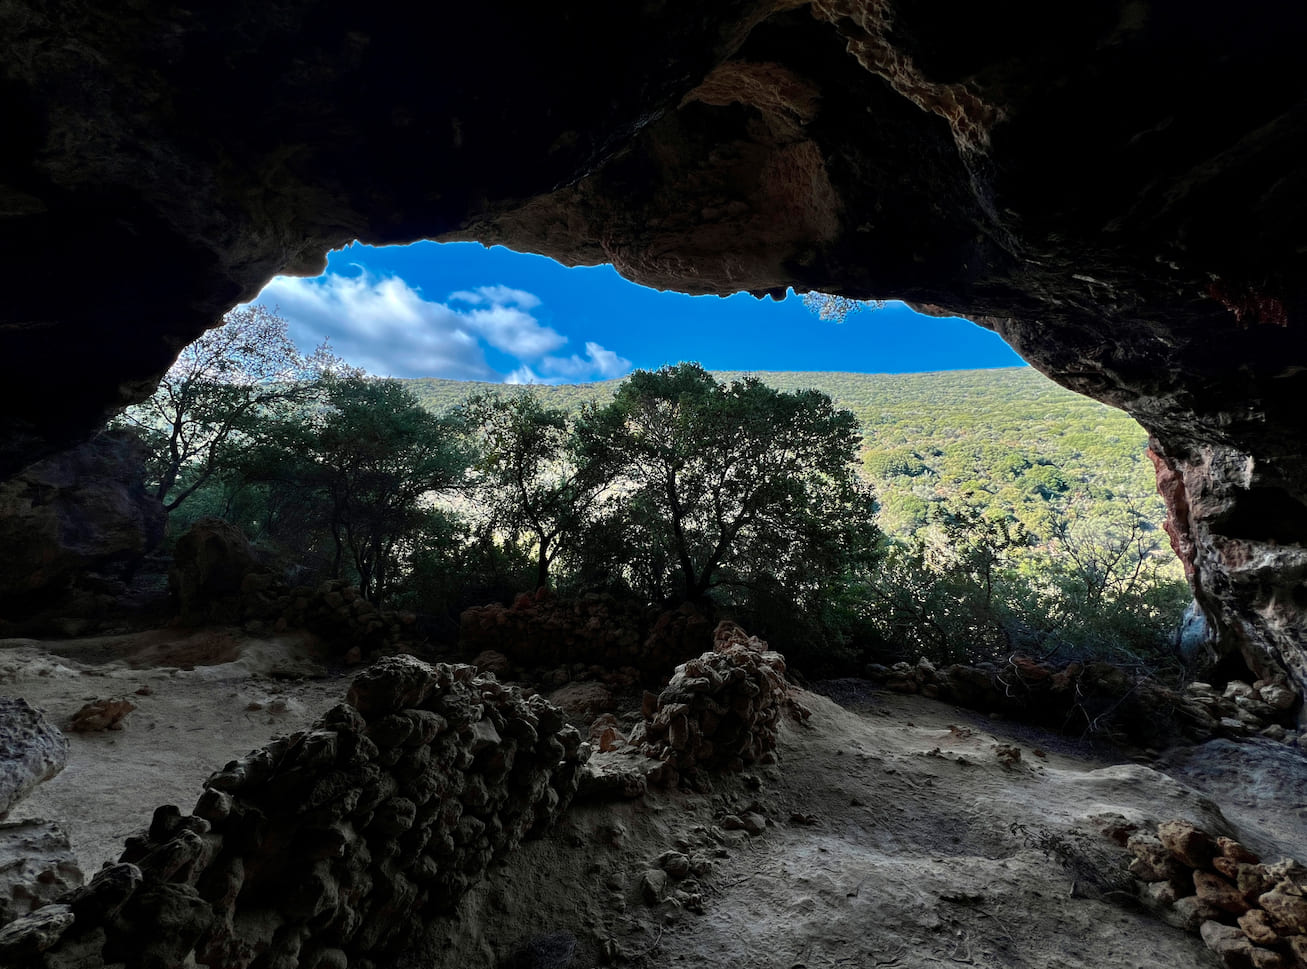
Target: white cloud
(597, 364)
(381, 325)
(496, 294)
(514, 331)
(388, 328)
(524, 375)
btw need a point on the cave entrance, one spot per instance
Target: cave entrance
(1013, 515)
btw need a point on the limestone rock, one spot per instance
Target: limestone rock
(584, 701)
(1258, 928)
(104, 714)
(32, 750)
(721, 710)
(653, 886)
(1187, 843)
(1231, 945)
(1287, 911)
(37, 866)
(34, 933)
(333, 845)
(1219, 893)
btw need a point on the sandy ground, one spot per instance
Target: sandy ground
(900, 832)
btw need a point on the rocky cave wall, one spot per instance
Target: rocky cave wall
(1117, 189)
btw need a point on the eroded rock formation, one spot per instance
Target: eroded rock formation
(1117, 189)
(333, 846)
(32, 750)
(80, 512)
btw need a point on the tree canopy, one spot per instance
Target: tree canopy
(727, 484)
(528, 481)
(244, 371)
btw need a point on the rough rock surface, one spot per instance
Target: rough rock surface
(37, 866)
(1251, 915)
(331, 846)
(85, 510)
(32, 750)
(720, 711)
(1115, 189)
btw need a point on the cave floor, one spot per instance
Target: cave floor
(900, 832)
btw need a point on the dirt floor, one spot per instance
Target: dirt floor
(895, 831)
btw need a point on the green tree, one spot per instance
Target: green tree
(528, 481)
(369, 461)
(243, 372)
(729, 485)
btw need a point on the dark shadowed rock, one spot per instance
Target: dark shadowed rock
(85, 510)
(210, 563)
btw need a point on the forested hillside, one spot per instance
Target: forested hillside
(1022, 516)
(960, 515)
(1011, 434)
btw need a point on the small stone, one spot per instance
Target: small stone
(1230, 944)
(676, 864)
(34, 933)
(104, 714)
(32, 750)
(1187, 843)
(1258, 928)
(1298, 948)
(1216, 891)
(653, 886)
(1268, 959)
(1235, 851)
(1279, 697)
(753, 823)
(1287, 912)
(1159, 895)
(1189, 913)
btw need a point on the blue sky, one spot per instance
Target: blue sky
(461, 310)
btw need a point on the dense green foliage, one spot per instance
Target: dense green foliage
(734, 487)
(1019, 515)
(529, 485)
(1013, 515)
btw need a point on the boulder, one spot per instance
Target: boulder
(32, 750)
(83, 511)
(210, 565)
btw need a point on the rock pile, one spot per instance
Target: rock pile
(1264, 707)
(1252, 915)
(719, 711)
(331, 847)
(217, 577)
(1101, 698)
(540, 630)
